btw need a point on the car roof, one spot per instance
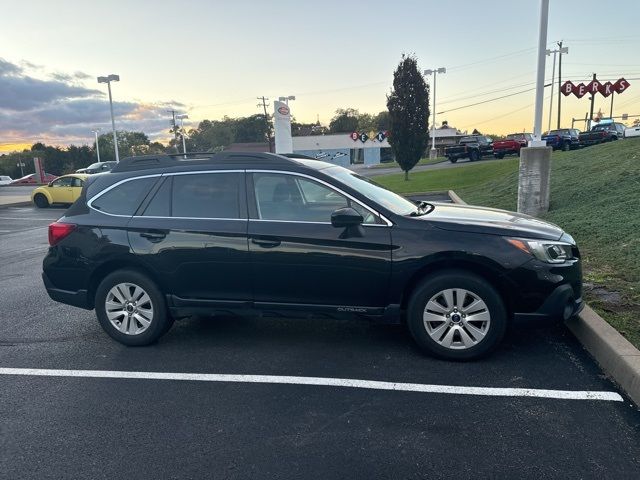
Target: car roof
(77, 175)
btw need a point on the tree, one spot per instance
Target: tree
(129, 144)
(382, 121)
(344, 121)
(408, 106)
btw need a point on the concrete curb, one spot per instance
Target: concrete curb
(16, 204)
(614, 353)
(455, 198)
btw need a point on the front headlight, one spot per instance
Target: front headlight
(545, 251)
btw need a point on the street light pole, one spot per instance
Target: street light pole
(97, 145)
(108, 79)
(286, 99)
(561, 50)
(433, 152)
(553, 77)
(542, 44)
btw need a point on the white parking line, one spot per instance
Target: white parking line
(321, 381)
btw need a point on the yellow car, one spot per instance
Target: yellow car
(64, 189)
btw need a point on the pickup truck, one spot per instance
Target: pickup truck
(472, 147)
(601, 133)
(511, 145)
(564, 139)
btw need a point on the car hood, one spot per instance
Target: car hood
(466, 218)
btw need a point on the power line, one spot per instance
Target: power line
(490, 100)
(528, 105)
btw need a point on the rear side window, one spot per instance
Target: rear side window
(125, 198)
(160, 205)
(206, 195)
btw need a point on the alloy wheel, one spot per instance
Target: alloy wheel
(456, 318)
(129, 308)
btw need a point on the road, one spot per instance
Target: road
(77, 427)
(375, 172)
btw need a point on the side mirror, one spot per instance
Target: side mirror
(346, 217)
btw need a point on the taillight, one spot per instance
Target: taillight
(58, 231)
(558, 137)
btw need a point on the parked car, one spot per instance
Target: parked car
(98, 167)
(473, 147)
(632, 132)
(64, 189)
(160, 238)
(601, 133)
(31, 179)
(5, 180)
(564, 139)
(511, 145)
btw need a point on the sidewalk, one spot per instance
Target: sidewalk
(14, 200)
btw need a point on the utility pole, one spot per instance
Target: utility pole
(173, 127)
(264, 105)
(593, 99)
(560, 51)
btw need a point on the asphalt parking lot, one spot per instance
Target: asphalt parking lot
(77, 423)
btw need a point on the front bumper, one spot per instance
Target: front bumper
(562, 304)
(78, 298)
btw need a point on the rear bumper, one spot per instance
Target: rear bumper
(78, 298)
(561, 305)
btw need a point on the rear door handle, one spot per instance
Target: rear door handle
(266, 243)
(154, 235)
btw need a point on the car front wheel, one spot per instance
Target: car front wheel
(41, 201)
(456, 315)
(131, 308)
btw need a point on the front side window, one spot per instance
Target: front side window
(206, 195)
(125, 198)
(371, 190)
(298, 199)
(62, 182)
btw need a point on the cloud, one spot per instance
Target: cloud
(8, 68)
(60, 110)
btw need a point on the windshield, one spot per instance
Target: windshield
(608, 126)
(392, 201)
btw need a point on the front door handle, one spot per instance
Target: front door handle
(154, 235)
(266, 243)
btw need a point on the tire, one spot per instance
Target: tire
(41, 201)
(565, 147)
(455, 337)
(474, 156)
(146, 322)
(499, 156)
(453, 160)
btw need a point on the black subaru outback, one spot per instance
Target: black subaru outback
(164, 237)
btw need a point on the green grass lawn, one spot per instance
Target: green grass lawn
(595, 196)
(423, 161)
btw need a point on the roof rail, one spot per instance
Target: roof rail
(146, 162)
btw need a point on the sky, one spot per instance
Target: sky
(211, 58)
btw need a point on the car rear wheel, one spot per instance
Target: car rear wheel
(131, 308)
(453, 160)
(41, 201)
(456, 315)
